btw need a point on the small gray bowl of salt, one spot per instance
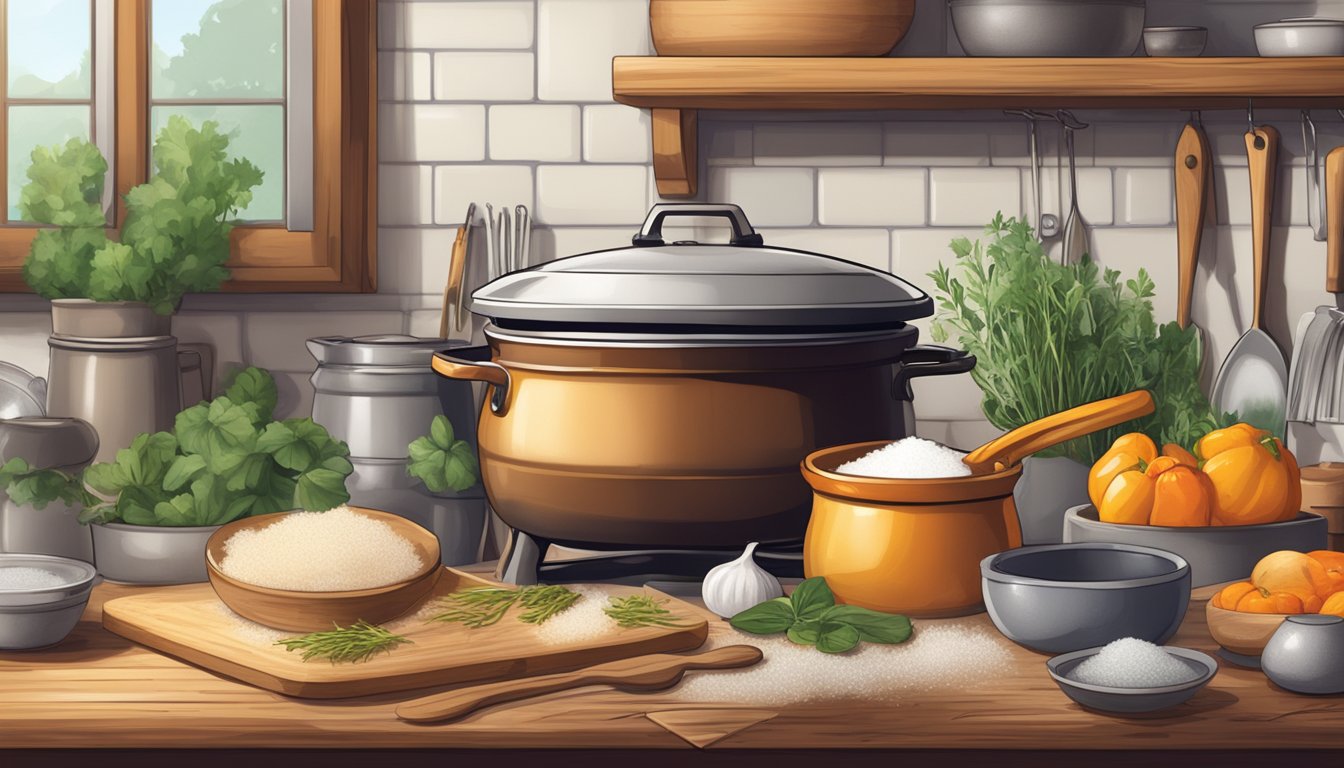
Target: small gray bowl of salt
(1130, 676)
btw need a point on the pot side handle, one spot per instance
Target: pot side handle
(928, 360)
(474, 364)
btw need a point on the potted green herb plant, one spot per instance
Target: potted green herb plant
(224, 459)
(114, 361)
(1050, 336)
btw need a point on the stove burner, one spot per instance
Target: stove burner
(524, 563)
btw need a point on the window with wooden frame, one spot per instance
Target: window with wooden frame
(291, 81)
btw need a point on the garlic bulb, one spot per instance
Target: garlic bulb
(734, 587)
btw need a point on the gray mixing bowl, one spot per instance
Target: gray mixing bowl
(1065, 597)
(36, 618)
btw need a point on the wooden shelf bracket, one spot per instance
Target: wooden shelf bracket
(676, 155)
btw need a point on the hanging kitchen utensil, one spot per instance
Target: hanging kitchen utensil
(1193, 173)
(1075, 228)
(522, 241)
(1315, 189)
(453, 308)
(654, 672)
(1314, 375)
(1253, 382)
(505, 229)
(1047, 224)
(492, 243)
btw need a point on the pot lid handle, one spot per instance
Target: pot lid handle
(651, 234)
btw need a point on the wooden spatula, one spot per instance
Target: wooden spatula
(642, 673)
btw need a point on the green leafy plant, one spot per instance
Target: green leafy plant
(37, 488)
(357, 642)
(224, 459)
(1049, 336)
(441, 461)
(810, 616)
(478, 607)
(175, 238)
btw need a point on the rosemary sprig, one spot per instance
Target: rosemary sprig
(640, 611)
(357, 642)
(482, 606)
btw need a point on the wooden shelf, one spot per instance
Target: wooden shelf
(681, 85)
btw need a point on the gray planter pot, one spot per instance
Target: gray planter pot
(1048, 489)
(143, 554)
(54, 530)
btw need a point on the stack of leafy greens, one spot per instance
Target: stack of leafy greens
(810, 616)
(37, 488)
(441, 461)
(175, 238)
(224, 459)
(1049, 336)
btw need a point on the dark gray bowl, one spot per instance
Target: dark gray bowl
(1131, 700)
(1065, 597)
(1217, 553)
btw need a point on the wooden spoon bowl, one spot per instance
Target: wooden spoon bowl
(315, 611)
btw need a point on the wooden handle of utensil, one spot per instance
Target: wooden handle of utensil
(1262, 153)
(452, 289)
(1334, 217)
(659, 670)
(1008, 450)
(1192, 186)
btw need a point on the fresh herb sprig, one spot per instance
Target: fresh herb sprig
(640, 611)
(27, 486)
(1048, 336)
(358, 642)
(441, 461)
(810, 617)
(478, 607)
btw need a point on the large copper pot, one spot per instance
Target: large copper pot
(662, 396)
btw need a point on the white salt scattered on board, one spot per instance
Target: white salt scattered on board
(936, 656)
(23, 577)
(251, 632)
(1133, 663)
(910, 457)
(321, 552)
(583, 621)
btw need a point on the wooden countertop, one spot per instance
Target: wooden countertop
(98, 690)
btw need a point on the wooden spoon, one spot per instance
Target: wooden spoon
(1006, 451)
(643, 673)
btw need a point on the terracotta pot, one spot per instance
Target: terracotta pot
(778, 27)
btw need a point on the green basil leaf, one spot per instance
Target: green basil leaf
(811, 598)
(873, 626)
(180, 512)
(11, 470)
(441, 432)
(106, 478)
(768, 618)
(321, 489)
(290, 451)
(834, 637)
(255, 386)
(274, 493)
(182, 471)
(805, 632)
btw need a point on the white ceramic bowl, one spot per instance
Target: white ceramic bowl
(1301, 37)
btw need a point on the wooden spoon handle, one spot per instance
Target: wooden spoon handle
(1192, 186)
(653, 671)
(1334, 216)
(1262, 153)
(452, 289)
(1008, 450)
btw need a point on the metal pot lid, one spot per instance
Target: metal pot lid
(381, 350)
(21, 393)
(743, 284)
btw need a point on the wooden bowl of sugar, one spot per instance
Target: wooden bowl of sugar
(305, 571)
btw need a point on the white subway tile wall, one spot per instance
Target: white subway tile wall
(509, 101)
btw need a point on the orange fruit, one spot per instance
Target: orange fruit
(1264, 601)
(1292, 572)
(1334, 604)
(1334, 568)
(1229, 596)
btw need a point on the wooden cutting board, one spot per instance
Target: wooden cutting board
(190, 623)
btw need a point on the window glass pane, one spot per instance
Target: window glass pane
(49, 48)
(33, 126)
(256, 132)
(208, 49)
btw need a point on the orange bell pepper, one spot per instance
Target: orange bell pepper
(1128, 499)
(1264, 601)
(1132, 451)
(1181, 455)
(1181, 497)
(1254, 477)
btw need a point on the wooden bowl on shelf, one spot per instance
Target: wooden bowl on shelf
(1242, 635)
(314, 611)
